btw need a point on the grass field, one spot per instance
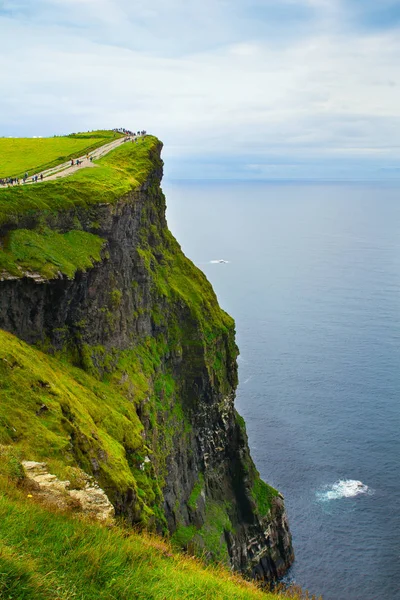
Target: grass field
(32, 155)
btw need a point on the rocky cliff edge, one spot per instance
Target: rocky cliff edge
(129, 367)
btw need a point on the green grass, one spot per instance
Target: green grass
(208, 540)
(51, 556)
(104, 425)
(212, 532)
(118, 173)
(208, 331)
(183, 535)
(48, 253)
(32, 155)
(105, 134)
(197, 489)
(263, 494)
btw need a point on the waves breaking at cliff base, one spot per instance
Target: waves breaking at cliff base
(344, 488)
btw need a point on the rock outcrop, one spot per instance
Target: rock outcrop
(146, 320)
(89, 499)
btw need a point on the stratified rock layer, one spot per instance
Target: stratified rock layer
(146, 294)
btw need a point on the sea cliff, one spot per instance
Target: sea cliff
(130, 369)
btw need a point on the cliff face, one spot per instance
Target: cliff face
(146, 323)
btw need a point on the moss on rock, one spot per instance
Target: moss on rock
(48, 253)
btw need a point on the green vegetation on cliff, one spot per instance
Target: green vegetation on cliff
(117, 174)
(48, 253)
(45, 404)
(46, 555)
(263, 495)
(133, 374)
(19, 155)
(101, 416)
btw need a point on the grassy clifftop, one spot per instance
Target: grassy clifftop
(48, 253)
(19, 155)
(116, 174)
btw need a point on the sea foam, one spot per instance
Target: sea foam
(344, 488)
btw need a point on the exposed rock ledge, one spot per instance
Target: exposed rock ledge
(91, 499)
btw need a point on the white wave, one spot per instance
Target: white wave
(344, 488)
(220, 260)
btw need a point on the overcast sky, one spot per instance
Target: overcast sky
(234, 88)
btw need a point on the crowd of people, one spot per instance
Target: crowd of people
(128, 132)
(11, 181)
(123, 131)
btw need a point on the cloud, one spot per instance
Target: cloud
(236, 82)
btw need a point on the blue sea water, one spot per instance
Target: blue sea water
(313, 282)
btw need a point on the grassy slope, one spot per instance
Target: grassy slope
(48, 556)
(18, 155)
(77, 405)
(47, 252)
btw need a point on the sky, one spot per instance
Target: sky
(235, 89)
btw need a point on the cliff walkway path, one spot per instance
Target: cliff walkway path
(65, 169)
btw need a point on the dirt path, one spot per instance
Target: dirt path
(67, 168)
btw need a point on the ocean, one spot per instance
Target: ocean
(313, 282)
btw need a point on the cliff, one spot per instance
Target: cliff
(121, 363)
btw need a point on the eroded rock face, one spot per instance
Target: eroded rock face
(90, 500)
(201, 457)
